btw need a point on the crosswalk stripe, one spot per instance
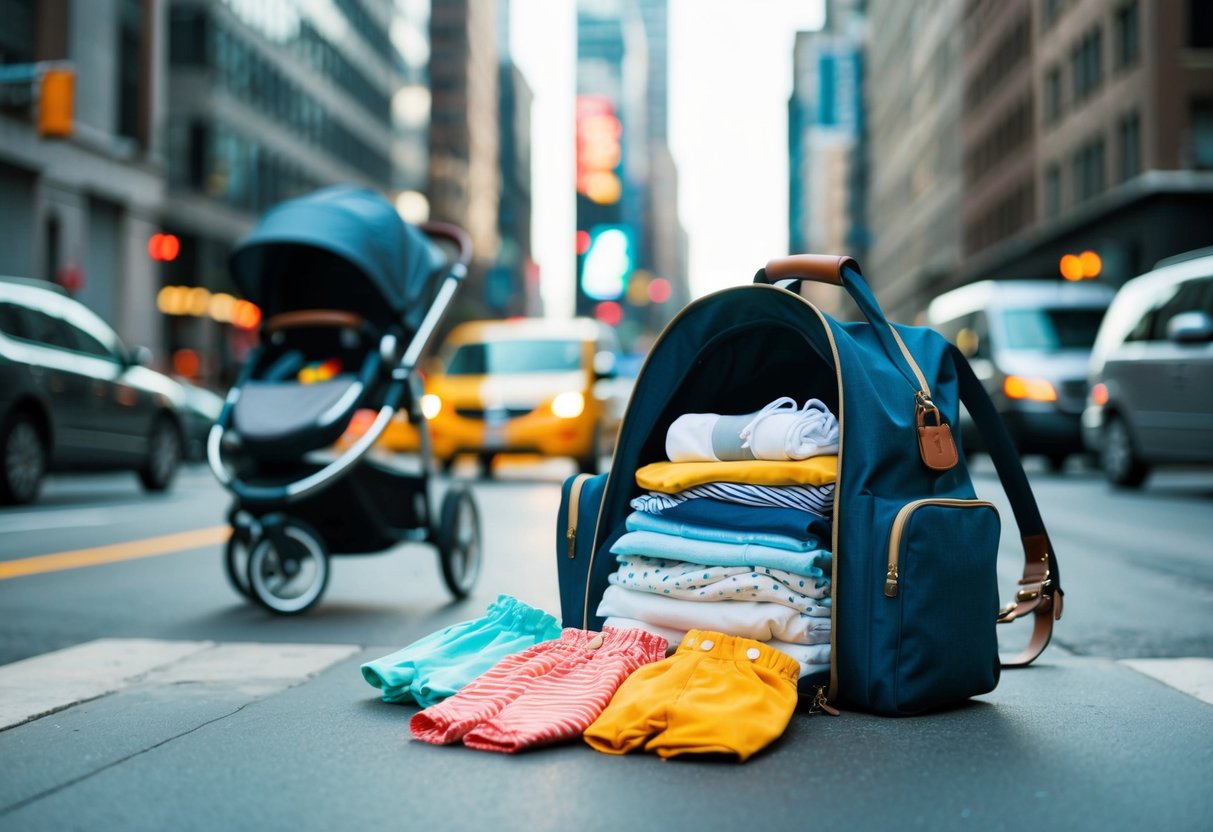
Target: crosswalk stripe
(146, 548)
(44, 684)
(1192, 676)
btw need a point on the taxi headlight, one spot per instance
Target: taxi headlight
(1032, 389)
(568, 405)
(431, 406)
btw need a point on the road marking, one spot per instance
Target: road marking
(149, 547)
(1192, 676)
(45, 684)
(42, 520)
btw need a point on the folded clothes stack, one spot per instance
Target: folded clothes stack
(735, 544)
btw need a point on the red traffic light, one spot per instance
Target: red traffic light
(164, 247)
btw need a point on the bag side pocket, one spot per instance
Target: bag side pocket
(580, 500)
(942, 579)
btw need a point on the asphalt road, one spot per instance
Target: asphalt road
(213, 714)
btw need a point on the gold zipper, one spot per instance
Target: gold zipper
(574, 498)
(820, 704)
(899, 522)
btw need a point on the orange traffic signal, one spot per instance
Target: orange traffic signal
(56, 94)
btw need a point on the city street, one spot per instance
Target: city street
(177, 703)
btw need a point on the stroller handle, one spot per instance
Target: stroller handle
(300, 488)
(454, 234)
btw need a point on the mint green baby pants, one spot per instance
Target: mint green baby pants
(443, 663)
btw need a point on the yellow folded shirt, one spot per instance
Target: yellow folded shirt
(672, 477)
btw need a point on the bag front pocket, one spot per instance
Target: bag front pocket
(942, 577)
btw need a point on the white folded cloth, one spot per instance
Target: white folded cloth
(812, 658)
(759, 620)
(780, 431)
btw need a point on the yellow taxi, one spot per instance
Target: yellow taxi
(524, 386)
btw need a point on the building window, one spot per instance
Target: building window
(17, 33)
(1053, 95)
(1202, 135)
(1088, 170)
(1130, 146)
(1086, 65)
(1053, 191)
(130, 54)
(1050, 10)
(1127, 34)
(1200, 24)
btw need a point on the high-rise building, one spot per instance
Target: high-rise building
(913, 101)
(465, 136)
(1087, 126)
(269, 99)
(826, 163)
(631, 247)
(79, 208)
(513, 284)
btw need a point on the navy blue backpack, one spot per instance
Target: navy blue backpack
(915, 602)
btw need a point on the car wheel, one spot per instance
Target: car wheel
(589, 464)
(459, 541)
(1117, 456)
(288, 568)
(23, 465)
(163, 456)
(1056, 462)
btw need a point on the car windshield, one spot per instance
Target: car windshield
(538, 356)
(1050, 330)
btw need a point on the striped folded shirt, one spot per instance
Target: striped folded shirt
(817, 498)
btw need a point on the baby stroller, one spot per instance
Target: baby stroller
(350, 295)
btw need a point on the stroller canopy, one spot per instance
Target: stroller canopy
(341, 247)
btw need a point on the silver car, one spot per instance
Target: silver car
(1151, 393)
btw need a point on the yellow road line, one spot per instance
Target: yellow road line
(130, 550)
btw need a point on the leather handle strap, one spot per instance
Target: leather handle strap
(823, 268)
(304, 318)
(1040, 593)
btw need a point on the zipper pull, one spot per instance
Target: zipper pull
(890, 581)
(571, 536)
(820, 705)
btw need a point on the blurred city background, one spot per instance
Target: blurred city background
(939, 142)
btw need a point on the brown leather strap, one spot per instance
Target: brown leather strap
(1037, 595)
(824, 268)
(313, 318)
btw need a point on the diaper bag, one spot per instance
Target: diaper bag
(915, 603)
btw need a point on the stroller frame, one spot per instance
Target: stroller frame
(278, 558)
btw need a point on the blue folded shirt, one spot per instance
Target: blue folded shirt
(707, 511)
(639, 521)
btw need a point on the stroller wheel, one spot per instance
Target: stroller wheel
(288, 568)
(459, 541)
(236, 559)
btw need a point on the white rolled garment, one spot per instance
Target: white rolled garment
(759, 620)
(812, 658)
(780, 431)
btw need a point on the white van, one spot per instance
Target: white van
(1029, 341)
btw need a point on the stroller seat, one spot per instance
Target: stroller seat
(270, 412)
(317, 367)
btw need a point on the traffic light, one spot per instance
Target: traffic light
(608, 263)
(56, 95)
(599, 151)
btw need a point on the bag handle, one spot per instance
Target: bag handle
(841, 270)
(1040, 590)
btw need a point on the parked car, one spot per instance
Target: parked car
(518, 386)
(1151, 399)
(73, 397)
(1029, 341)
(199, 410)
